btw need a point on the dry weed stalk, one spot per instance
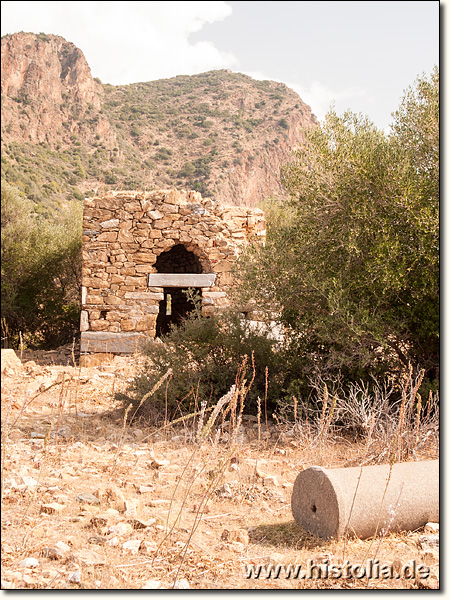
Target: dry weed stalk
(418, 414)
(232, 403)
(127, 422)
(266, 388)
(324, 408)
(259, 419)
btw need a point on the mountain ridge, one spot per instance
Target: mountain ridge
(66, 135)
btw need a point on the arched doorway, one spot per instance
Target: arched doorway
(176, 304)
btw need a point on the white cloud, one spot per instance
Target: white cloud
(127, 42)
(321, 97)
(317, 95)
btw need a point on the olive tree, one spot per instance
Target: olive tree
(41, 271)
(353, 274)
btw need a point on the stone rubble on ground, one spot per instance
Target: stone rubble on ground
(61, 501)
(29, 563)
(74, 576)
(132, 546)
(151, 584)
(432, 528)
(225, 491)
(10, 363)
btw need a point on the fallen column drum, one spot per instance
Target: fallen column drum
(364, 501)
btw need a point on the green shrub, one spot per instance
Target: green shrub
(41, 271)
(205, 355)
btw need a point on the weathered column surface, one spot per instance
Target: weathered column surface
(362, 501)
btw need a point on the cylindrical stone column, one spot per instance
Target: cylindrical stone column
(363, 501)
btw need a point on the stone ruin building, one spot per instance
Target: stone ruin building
(143, 250)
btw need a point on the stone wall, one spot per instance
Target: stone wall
(138, 246)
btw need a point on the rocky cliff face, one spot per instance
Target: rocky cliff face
(65, 134)
(48, 91)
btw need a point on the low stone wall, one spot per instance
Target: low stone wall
(124, 235)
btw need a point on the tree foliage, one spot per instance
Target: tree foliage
(41, 268)
(354, 272)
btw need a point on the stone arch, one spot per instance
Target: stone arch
(178, 260)
(198, 256)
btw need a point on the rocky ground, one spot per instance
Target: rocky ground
(91, 502)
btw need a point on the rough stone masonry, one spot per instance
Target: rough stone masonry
(142, 251)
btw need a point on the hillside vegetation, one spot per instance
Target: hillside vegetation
(67, 135)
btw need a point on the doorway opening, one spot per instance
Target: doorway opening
(177, 303)
(175, 307)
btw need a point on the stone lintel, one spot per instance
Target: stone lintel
(181, 280)
(116, 343)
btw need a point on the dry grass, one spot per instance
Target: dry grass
(177, 491)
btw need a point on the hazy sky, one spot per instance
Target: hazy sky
(358, 55)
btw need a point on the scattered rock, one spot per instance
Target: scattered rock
(90, 558)
(52, 508)
(113, 542)
(236, 535)
(158, 502)
(429, 541)
(157, 463)
(140, 524)
(99, 520)
(432, 527)
(121, 529)
(271, 481)
(241, 437)
(114, 496)
(145, 489)
(237, 547)
(29, 563)
(224, 491)
(132, 546)
(11, 363)
(29, 482)
(52, 553)
(259, 473)
(147, 547)
(138, 434)
(63, 546)
(31, 367)
(130, 508)
(151, 584)
(96, 539)
(63, 432)
(88, 498)
(181, 584)
(281, 451)
(74, 576)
